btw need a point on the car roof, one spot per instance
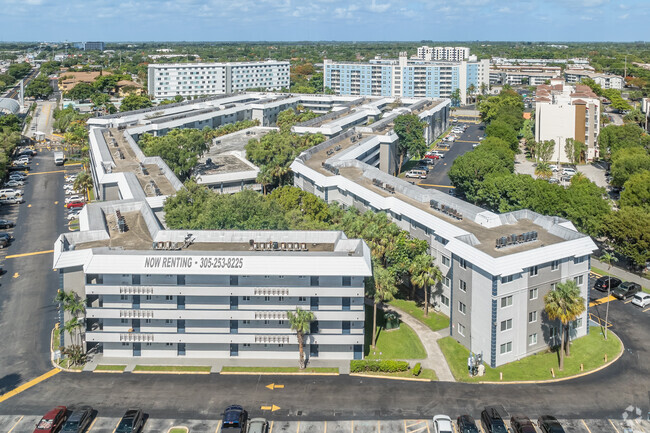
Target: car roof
(54, 411)
(131, 413)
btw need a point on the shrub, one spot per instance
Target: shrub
(417, 369)
(387, 366)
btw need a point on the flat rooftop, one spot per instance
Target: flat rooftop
(221, 164)
(126, 161)
(317, 159)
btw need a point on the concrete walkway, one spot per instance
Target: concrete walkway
(435, 359)
(621, 273)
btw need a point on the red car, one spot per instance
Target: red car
(52, 420)
(432, 156)
(75, 204)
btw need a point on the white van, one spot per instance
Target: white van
(421, 174)
(59, 158)
(10, 193)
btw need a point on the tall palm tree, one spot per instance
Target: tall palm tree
(63, 297)
(71, 327)
(566, 305)
(75, 306)
(543, 170)
(608, 258)
(470, 90)
(381, 288)
(300, 321)
(83, 182)
(424, 274)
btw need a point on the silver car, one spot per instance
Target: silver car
(258, 425)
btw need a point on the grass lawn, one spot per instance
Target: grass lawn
(178, 430)
(281, 369)
(588, 350)
(56, 339)
(402, 343)
(106, 367)
(435, 321)
(63, 362)
(605, 273)
(424, 374)
(194, 368)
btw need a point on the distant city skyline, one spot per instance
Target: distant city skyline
(324, 20)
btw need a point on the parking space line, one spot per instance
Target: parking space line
(438, 186)
(415, 423)
(29, 384)
(610, 421)
(46, 172)
(118, 423)
(378, 426)
(298, 428)
(325, 427)
(219, 426)
(585, 424)
(17, 422)
(14, 256)
(92, 425)
(647, 309)
(427, 423)
(418, 430)
(628, 301)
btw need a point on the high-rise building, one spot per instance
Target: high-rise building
(167, 80)
(455, 54)
(93, 46)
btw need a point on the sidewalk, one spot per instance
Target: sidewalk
(621, 273)
(435, 359)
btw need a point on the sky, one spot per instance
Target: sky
(313, 20)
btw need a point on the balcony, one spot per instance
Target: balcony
(279, 313)
(225, 338)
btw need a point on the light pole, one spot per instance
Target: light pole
(608, 258)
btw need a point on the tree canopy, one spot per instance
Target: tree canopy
(135, 102)
(180, 149)
(410, 131)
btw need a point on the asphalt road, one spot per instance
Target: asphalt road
(13, 92)
(438, 177)
(27, 315)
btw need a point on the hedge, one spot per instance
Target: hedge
(386, 366)
(417, 369)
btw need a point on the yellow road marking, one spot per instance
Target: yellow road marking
(17, 422)
(219, 426)
(405, 429)
(628, 301)
(465, 141)
(29, 205)
(415, 423)
(378, 426)
(585, 424)
(13, 256)
(438, 186)
(418, 430)
(273, 386)
(429, 431)
(46, 172)
(92, 425)
(596, 274)
(298, 429)
(610, 421)
(272, 408)
(647, 309)
(115, 428)
(454, 427)
(602, 300)
(29, 384)
(16, 275)
(325, 427)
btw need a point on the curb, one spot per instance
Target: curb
(412, 379)
(562, 379)
(54, 364)
(109, 371)
(270, 373)
(178, 427)
(168, 372)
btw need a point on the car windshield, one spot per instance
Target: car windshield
(71, 424)
(45, 424)
(499, 427)
(125, 426)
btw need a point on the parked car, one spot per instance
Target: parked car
(522, 424)
(492, 421)
(549, 424)
(6, 236)
(419, 174)
(6, 224)
(75, 204)
(641, 299)
(78, 421)
(432, 156)
(11, 200)
(73, 215)
(466, 424)
(554, 168)
(17, 175)
(13, 183)
(131, 422)
(553, 180)
(52, 420)
(234, 419)
(258, 425)
(73, 198)
(4, 242)
(567, 171)
(626, 290)
(481, 138)
(27, 152)
(440, 154)
(9, 192)
(602, 282)
(442, 424)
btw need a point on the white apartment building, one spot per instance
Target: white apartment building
(454, 54)
(606, 81)
(533, 75)
(166, 80)
(564, 111)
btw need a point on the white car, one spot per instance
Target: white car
(73, 215)
(554, 168)
(641, 299)
(481, 138)
(569, 172)
(440, 154)
(14, 183)
(73, 198)
(442, 424)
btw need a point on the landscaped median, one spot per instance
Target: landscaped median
(108, 368)
(591, 351)
(329, 371)
(174, 369)
(391, 369)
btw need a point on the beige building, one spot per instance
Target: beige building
(564, 111)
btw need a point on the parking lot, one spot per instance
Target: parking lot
(25, 424)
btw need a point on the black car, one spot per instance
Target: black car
(131, 422)
(492, 421)
(602, 282)
(6, 224)
(522, 424)
(626, 290)
(549, 424)
(466, 424)
(234, 419)
(78, 421)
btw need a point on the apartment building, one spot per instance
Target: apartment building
(606, 81)
(496, 267)
(406, 78)
(90, 46)
(563, 111)
(166, 80)
(454, 54)
(533, 75)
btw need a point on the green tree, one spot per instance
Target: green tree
(455, 97)
(39, 88)
(608, 258)
(502, 130)
(424, 274)
(574, 150)
(585, 205)
(636, 190)
(410, 132)
(300, 321)
(381, 288)
(628, 230)
(612, 138)
(135, 102)
(545, 150)
(84, 183)
(81, 92)
(627, 162)
(543, 170)
(635, 116)
(566, 305)
(180, 149)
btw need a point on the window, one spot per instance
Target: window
(246, 345)
(462, 263)
(169, 298)
(234, 280)
(266, 322)
(124, 297)
(461, 329)
(169, 344)
(578, 280)
(506, 325)
(532, 316)
(148, 297)
(532, 339)
(267, 299)
(280, 322)
(125, 344)
(147, 321)
(462, 285)
(302, 299)
(347, 281)
(169, 321)
(555, 265)
(577, 324)
(533, 271)
(462, 307)
(280, 298)
(506, 301)
(246, 298)
(578, 260)
(553, 286)
(507, 279)
(445, 260)
(246, 322)
(532, 294)
(124, 321)
(506, 347)
(553, 332)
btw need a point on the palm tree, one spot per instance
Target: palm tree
(608, 258)
(424, 274)
(543, 170)
(300, 321)
(63, 297)
(75, 306)
(381, 287)
(71, 327)
(265, 179)
(471, 89)
(83, 182)
(564, 304)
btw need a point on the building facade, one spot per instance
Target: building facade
(167, 80)
(563, 111)
(454, 54)
(406, 78)
(606, 81)
(533, 75)
(91, 46)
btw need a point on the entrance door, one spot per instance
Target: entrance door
(135, 324)
(180, 302)
(234, 326)
(345, 326)
(181, 349)
(234, 302)
(180, 326)
(358, 351)
(313, 350)
(314, 303)
(345, 304)
(234, 349)
(136, 302)
(137, 349)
